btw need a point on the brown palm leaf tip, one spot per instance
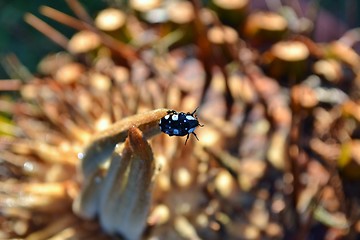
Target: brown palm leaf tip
(83, 157)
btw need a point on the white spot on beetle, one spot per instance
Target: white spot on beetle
(176, 131)
(167, 117)
(188, 117)
(175, 117)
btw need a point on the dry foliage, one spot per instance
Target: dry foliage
(83, 156)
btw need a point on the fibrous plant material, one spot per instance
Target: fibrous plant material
(124, 191)
(103, 144)
(100, 150)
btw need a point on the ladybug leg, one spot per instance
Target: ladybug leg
(187, 138)
(195, 135)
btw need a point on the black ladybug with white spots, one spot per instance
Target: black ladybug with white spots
(179, 124)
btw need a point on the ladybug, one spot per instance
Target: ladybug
(179, 124)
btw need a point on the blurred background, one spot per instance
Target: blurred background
(26, 42)
(333, 18)
(275, 83)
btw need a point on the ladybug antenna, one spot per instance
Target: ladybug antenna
(194, 111)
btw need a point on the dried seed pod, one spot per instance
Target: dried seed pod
(110, 19)
(84, 42)
(263, 27)
(113, 22)
(287, 59)
(180, 12)
(69, 73)
(230, 12)
(181, 23)
(292, 51)
(143, 8)
(223, 37)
